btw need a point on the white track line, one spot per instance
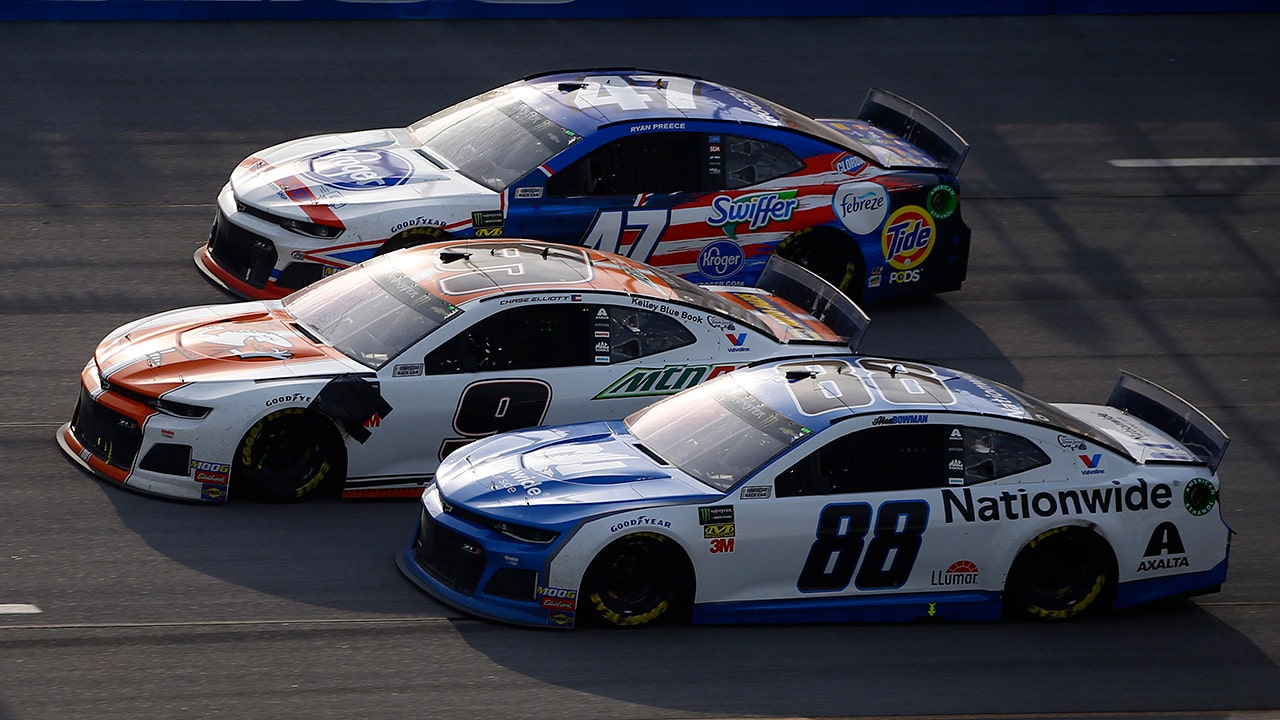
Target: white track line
(1195, 162)
(18, 609)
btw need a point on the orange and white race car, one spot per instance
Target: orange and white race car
(366, 380)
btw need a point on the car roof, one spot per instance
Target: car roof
(777, 383)
(469, 271)
(666, 96)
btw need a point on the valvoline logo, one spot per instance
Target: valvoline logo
(908, 237)
(737, 342)
(720, 259)
(359, 169)
(1092, 463)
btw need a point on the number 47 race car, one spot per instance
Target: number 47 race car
(832, 489)
(698, 178)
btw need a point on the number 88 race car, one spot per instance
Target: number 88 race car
(365, 380)
(832, 489)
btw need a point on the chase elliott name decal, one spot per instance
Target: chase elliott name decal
(1020, 505)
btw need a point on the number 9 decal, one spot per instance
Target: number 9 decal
(489, 407)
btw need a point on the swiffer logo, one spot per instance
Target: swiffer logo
(755, 210)
(1092, 463)
(739, 342)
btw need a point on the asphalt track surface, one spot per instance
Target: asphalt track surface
(115, 138)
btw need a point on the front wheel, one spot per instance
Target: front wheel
(286, 456)
(638, 580)
(1061, 574)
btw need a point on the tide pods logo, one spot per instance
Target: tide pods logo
(908, 237)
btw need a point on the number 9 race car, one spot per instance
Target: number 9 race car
(831, 489)
(698, 178)
(366, 379)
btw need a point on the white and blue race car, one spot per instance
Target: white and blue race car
(829, 490)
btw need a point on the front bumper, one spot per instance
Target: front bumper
(483, 573)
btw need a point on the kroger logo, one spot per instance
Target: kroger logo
(861, 206)
(720, 259)
(359, 169)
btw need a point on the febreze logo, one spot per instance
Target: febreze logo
(755, 210)
(908, 237)
(359, 169)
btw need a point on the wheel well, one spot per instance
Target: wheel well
(314, 421)
(823, 250)
(1084, 531)
(677, 554)
(412, 237)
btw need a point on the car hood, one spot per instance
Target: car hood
(345, 171)
(244, 341)
(562, 470)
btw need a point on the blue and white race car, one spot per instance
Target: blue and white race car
(832, 489)
(698, 178)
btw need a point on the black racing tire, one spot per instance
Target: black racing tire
(412, 237)
(829, 254)
(640, 579)
(288, 455)
(1061, 574)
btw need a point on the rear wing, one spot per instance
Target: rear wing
(916, 125)
(815, 296)
(1147, 401)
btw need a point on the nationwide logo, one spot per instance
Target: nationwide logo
(754, 210)
(908, 237)
(960, 572)
(642, 382)
(1021, 505)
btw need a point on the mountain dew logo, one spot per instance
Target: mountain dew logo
(755, 210)
(643, 382)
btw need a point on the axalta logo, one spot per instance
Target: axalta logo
(861, 206)
(661, 381)
(908, 237)
(755, 210)
(359, 169)
(720, 259)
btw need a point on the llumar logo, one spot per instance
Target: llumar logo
(755, 210)
(908, 237)
(642, 382)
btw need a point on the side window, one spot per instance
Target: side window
(526, 337)
(748, 161)
(992, 454)
(635, 333)
(871, 460)
(647, 163)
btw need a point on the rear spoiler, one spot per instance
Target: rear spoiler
(916, 125)
(1147, 401)
(815, 296)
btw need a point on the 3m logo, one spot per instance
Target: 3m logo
(721, 545)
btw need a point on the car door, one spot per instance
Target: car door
(873, 509)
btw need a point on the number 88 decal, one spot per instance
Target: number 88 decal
(489, 407)
(890, 556)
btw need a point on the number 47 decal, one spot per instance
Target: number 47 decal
(642, 228)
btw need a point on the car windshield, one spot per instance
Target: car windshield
(495, 138)
(371, 313)
(717, 432)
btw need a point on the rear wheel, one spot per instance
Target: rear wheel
(287, 456)
(830, 255)
(638, 580)
(1061, 574)
(412, 238)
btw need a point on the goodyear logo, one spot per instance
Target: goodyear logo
(908, 237)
